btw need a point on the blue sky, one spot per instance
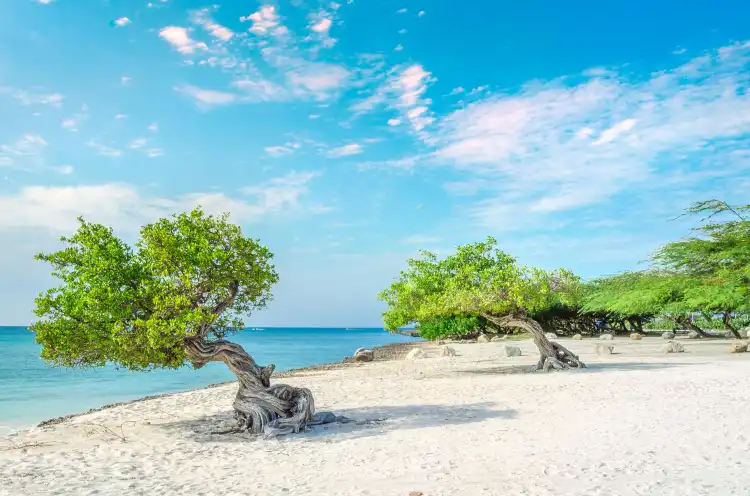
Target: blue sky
(347, 135)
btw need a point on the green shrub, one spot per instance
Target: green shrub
(456, 327)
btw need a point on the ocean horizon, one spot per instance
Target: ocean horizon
(32, 391)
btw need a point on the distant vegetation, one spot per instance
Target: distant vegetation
(698, 283)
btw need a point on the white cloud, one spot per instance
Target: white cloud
(421, 13)
(532, 152)
(261, 90)
(122, 21)
(401, 11)
(265, 21)
(121, 116)
(345, 151)
(278, 151)
(65, 170)
(153, 127)
(44, 2)
(103, 150)
(478, 90)
(403, 91)
(394, 122)
(322, 26)
(318, 79)
(69, 124)
(398, 48)
(26, 154)
(154, 152)
(614, 131)
(32, 98)
(125, 208)
(179, 38)
(456, 91)
(216, 30)
(207, 97)
(137, 143)
(125, 80)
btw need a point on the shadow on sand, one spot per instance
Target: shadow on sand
(366, 421)
(590, 368)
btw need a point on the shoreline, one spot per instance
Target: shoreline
(384, 353)
(438, 425)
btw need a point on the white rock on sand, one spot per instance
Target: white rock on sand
(439, 427)
(672, 347)
(447, 351)
(510, 351)
(416, 354)
(604, 348)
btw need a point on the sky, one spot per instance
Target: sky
(348, 135)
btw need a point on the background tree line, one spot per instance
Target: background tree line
(698, 283)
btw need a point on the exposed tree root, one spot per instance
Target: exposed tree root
(552, 355)
(259, 407)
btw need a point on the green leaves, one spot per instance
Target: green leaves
(192, 274)
(478, 279)
(707, 272)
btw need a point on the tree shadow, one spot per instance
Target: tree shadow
(364, 422)
(590, 368)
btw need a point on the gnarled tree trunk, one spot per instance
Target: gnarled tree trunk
(259, 407)
(726, 319)
(552, 355)
(688, 324)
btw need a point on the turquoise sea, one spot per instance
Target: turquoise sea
(31, 391)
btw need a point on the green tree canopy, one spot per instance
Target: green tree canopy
(707, 272)
(480, 280)
(192, 275)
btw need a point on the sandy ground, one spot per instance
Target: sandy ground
(634, 423)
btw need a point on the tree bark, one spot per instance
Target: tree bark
(552, 354)
(728, 324)
(259, 407)
(687, 323)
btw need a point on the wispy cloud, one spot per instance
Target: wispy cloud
(180, 39)
(125, 208)
(26, 97)
(137, 143)
(569, 142)
(288, 71)
(265, 21)
(122, 21)
(278, 151)
(207, 97)
(23, 154)
(104, 150)
(202, 18)
(345, 151)
(403, 91)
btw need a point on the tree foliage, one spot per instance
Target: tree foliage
(479, 279)
(454, 327)
(189, 275)
(707, 272)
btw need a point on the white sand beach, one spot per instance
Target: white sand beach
(634, 423)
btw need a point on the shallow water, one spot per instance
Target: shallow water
(31, 391)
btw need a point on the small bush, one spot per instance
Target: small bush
(456, 327)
